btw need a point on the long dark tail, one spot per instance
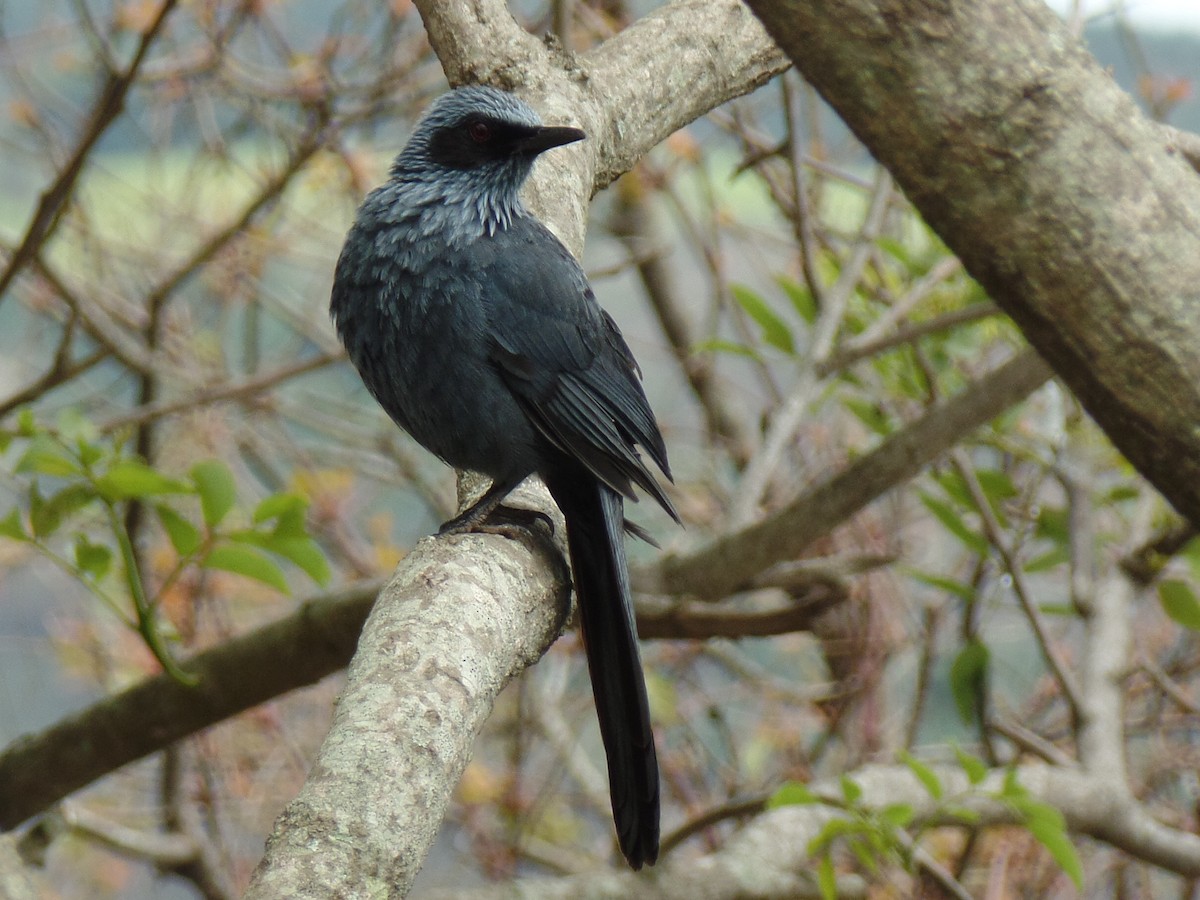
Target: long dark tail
(595, 516)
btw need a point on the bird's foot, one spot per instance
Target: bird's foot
(503, 520)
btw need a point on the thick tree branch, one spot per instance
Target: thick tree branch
(769, 857)
(460, 619)
(1058, 195)
(718, 51)
(37, 771)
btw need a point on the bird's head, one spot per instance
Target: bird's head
(479, 140)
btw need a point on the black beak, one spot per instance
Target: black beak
(548, 136)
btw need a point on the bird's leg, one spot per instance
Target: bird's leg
(473, 515)
(486, 515)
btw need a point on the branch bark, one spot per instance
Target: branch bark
(769, 857)
(461, 618)
(37, 771)
(1059, 196)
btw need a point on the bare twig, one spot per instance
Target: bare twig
(238, 390)
(995, 536)
(108, 107)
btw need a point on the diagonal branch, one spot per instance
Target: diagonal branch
(39, 770)
(1060, 197)
(730, 563)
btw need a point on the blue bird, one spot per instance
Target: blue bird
(477, 332)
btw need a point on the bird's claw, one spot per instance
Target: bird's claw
(503, 520)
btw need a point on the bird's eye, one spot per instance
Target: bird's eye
(480, 132)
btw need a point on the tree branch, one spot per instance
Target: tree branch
(107, 109)
(769, 857)
(1059, 196)
(37, 771)
(461, 618)
(729, 563)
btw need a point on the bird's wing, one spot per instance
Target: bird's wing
(566, 362)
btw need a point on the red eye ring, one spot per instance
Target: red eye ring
(480, 132)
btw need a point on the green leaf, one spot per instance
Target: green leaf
(968, 676)
(851, 792)
(963, 814)
(792, 793)
(46, 515)
(6, 439)
(1049, 828)
(863, 853)
(717, 345)
(26, 423)
(1179, 602)
(1052, 524)
(45, 457)
(870, 414)
(1191, 552)
(89, 453)
(184, 536)
(801, 297)
(247, 561)
(975, 767)
(11, 526)
(959, 589)
(74, 426)
(774, 330)
(953, 523)
(1059, 609)
(925, 775)
(1122, 493)
(93, 560)
(897, 815)
(288, 510)
(1013, 791)
(217, 490)
(1049, 560)
(997, 487)
(131, 478)
(827, 878)
(305, 553)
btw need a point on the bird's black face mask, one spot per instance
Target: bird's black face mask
(478, 140)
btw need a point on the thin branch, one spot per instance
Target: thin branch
(237, 390)
(995, 535)
(853, 352)
(160, 849)
(1030, 741)
(108, 108)
(787, 419)
(61, 372)
(734, 809)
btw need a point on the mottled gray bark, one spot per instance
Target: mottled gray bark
(1066, 203)
(461, 618)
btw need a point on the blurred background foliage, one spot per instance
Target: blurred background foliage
(184, 449)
